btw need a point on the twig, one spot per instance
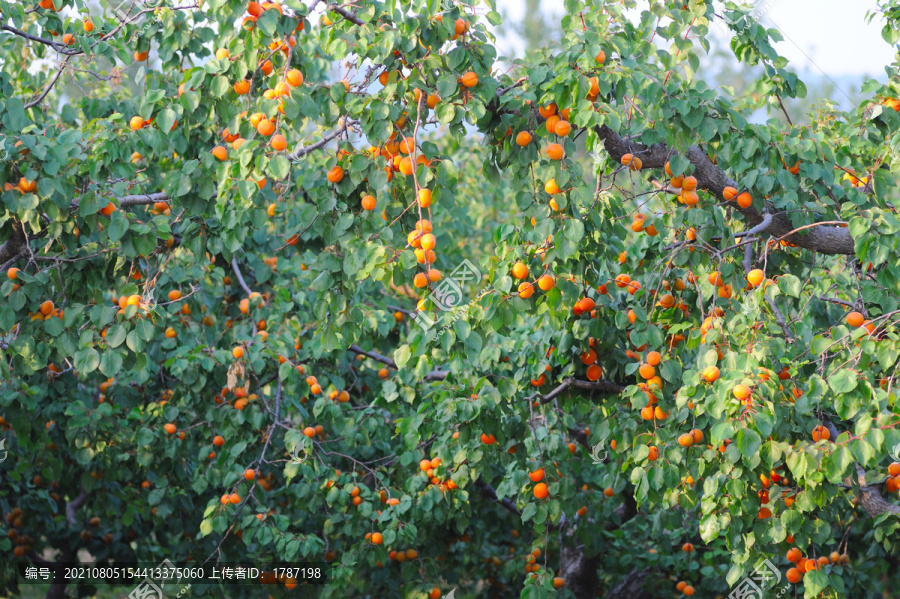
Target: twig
(761, 227)
(240, 277)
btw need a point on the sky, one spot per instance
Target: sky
(830, 36)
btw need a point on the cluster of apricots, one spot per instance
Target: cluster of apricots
(802, 565)
(525, 290)
(692, 437)
(856, 320)
(685, 588)
(23, 186)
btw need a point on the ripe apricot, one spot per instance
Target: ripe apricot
(278, 142)
(249, 474)
(710, 374)
(368, 202)
(646, 371)
(551, 187)
(523, 138)
(487, 439)
(555, 151)
(335, 174)
(820, 433)
(265, 127)
(729, 193)
(855, 319)
(741, 392)
(294, 78)
(685, 439)
(794, 576)
(170, 428)
(525, 290)
(470, 79)
(519, 270)
(744, 200)
(536, 476)
(540, 491)
(546, 282)
(238, 352)
(218, 441)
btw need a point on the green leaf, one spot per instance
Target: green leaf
(842, 381)
(86, 360)
(748, 441)
(110, 363)
(118, 225)
(790, 285)
(165, 120)
(279, 167)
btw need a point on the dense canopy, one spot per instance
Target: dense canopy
(343, 283)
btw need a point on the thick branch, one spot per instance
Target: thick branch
(489, 492)
(346, 14)
(73, 506)
(577, 384)
(870, 497)
(760, 228)
(56, 46)
(143, 199)
(301, 152)
(827, 240)
(13, 247)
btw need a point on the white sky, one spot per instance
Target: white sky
(833, 33)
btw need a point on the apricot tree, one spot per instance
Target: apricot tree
(228, 236)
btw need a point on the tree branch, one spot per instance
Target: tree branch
(760, 228)
(824, 239)
(301, 152)
(345, 13)
(73, 506)
(50, 85)
(573, 382)
(489, 492)
(55, 45)
(240, 277)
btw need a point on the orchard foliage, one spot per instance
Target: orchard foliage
(221, 223)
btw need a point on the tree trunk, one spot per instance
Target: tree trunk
(580, 572)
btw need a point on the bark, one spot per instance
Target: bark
(14, 245)
(824, 239)
(580, 571)
(632, 586)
